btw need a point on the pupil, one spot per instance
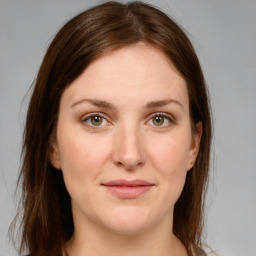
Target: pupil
(96, 120)
(159, 120)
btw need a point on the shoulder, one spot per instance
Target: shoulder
(197, 251)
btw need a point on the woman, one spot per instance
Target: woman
(117, 139)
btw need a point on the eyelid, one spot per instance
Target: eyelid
(86, 116)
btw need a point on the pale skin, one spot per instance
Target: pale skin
(125, 117)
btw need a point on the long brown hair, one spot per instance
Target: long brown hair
(46, 217)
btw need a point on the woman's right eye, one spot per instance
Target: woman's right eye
(95, 120)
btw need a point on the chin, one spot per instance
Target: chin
(128, 221)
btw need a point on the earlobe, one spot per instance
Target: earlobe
(195, 144)
(54, 156)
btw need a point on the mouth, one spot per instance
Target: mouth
(125, 189)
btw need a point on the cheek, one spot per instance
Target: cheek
(169, 157)
(82, 158)
(170, 154)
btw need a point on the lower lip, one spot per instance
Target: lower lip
(128, 192)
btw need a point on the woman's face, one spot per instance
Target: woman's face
(124, 141)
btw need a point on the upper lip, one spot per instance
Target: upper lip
(128, 183)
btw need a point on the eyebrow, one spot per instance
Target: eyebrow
(160, 103)
(108, 105)
(97, 103)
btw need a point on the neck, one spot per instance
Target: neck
(90, 240)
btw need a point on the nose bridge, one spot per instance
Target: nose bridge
(128, 150)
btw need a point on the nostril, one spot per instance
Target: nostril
(119, 163)
(129, 167)
(128, 153)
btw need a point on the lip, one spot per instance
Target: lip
(128, 189)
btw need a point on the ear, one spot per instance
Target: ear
(54, 156)
(195, 145)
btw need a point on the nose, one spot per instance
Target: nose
(128, 148)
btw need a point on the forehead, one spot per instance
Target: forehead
(133, 73)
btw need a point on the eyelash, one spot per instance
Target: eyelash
(171, 120)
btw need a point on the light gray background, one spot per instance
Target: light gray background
(224, 34)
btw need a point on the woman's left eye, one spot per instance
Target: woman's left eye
(161, 120)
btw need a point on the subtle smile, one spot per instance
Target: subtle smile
(125, 189)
